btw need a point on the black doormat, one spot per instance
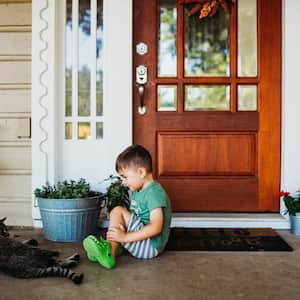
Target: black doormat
(226, 239)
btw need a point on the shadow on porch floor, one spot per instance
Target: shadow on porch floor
(173, 275)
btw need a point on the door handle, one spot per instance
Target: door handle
(141, 80)
(142, 107)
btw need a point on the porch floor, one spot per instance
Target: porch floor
(173, 275)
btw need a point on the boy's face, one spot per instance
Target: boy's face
(133, 178)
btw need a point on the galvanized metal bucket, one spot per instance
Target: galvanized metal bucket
(69, 220)
(295, 224)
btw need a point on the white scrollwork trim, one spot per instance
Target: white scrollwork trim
(43, 84)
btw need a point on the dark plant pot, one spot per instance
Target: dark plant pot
(295, 224)
(69, 220)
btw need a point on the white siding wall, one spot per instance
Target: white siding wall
(291, 97)
(15, 112)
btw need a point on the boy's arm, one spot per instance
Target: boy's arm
(152, 229)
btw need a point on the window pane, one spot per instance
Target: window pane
(84, 58)
(207, 97)
(99, 62)
(68, 58)
(206, 44)
(247, 95)
(84, 130)
(247, 38)
(68, 131)
(166, 97)
(167, 38)
(99, 130)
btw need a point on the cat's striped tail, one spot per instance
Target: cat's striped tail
(59, 272)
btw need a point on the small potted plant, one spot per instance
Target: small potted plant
(117, 194)
(69, 210)
(292, 203)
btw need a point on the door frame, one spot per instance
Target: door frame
(290, 144)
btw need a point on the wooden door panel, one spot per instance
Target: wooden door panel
(208, 121)
(213, 160)
(212, 194)
(213, 154)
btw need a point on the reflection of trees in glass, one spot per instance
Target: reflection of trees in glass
(99, 62)
(167, 97)
(99, 130)
(167, 38)
(84, 62)
(207, 97)
(84, 50)
(84, 17)
(207, 45)
(69, 14)
(68, 67)
(68, 103)
(247, 97)
(84, 85)
(247, 38)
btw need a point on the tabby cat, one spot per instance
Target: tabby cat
(25, 260)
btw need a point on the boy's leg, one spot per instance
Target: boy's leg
(140, 249)
(118, 216)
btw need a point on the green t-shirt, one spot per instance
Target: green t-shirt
(143, 202)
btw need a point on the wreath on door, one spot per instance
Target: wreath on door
(207, 8)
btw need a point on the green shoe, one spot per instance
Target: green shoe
(90, 257)
(99, 251)
(119, 249)
(102, 240)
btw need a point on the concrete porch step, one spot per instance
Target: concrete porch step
(231, 220)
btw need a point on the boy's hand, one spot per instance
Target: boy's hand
(115, 234)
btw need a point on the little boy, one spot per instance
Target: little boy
(144, 230)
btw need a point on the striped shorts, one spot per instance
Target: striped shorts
(141, 249)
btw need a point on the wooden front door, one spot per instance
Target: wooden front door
(212, 99)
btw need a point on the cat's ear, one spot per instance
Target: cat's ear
(2, 220)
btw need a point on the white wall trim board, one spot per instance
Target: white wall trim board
(199, 220)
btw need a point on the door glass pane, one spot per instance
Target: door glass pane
(87, 65)
(166, 97)
(68, 58)
(99, 59)
(84, 58)
(247, 38)
(167, 38)
(84, 130)
(206, 44)
(207, 97)
(99, 130)
(68, 130)
(247, 95)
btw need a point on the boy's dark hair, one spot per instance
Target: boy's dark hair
(134, 156)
